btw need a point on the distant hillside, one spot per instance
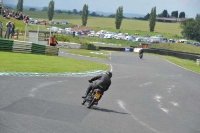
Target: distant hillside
(128, 15)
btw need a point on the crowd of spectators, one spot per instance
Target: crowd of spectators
(17, 15)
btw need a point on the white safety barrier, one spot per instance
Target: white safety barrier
(68, 45)
(22, 46)
(198, 62)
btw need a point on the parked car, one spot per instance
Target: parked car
(165, 40)
(129, 38)
(53, 29)
(56, 23)
(78, 33)
(196, 44)
(61, 31)
(64, 22)
(172, 41)
(85, 32)
(31, 20)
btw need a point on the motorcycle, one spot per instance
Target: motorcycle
(140, 55)
(92, 98)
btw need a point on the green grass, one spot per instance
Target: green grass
(90, 53)
(177, 47)
(18, 62)
(188, 64)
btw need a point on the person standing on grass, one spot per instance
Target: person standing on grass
(12, 29)
(1, 28)
(8, 27)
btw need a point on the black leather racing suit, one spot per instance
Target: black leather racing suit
(102, 82)
(141, 51)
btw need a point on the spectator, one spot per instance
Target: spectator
(1, 27)
(12, 29)
(26, 19)
(8, 27)
(53, 41)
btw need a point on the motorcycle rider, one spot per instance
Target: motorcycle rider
(103, 82)
(141, 52)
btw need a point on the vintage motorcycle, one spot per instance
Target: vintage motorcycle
(140, 55)
(92, 98)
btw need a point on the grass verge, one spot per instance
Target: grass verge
(18, 62)
(188, 64)
(177, 47)
(90, 53)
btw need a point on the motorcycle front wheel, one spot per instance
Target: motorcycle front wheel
(83, 102)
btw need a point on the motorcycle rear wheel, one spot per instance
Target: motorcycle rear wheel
(91, 103)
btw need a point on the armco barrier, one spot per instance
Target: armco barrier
(182, 55)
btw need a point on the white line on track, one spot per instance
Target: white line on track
(122, 105)
(146, 84)
(180, 66)
(33, 90)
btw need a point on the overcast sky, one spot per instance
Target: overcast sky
(190, 7)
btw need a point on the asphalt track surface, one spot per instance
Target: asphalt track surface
(150, 95)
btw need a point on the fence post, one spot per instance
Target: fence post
(17, 34)
(1, 32)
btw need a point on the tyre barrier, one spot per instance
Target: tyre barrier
(27, 47)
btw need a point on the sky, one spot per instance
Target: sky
(190, 7)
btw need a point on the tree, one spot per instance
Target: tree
(147, 16)
(182, 15)
(119, 17)
(32, 9)
(191, 28)
(197, 18)
(75, 11)
(80, 12)
(152, 19)
(58, 11)
(50, 11)
(174, 14)
(45, 8)
(69, 12)
(20, 5)
(85, 13)
(165, 14)
(111, 16)
(94, 14)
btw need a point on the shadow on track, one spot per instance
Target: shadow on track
(108, 110)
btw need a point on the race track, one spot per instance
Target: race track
(150, 95)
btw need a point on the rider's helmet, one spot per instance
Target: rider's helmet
(109, 73)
